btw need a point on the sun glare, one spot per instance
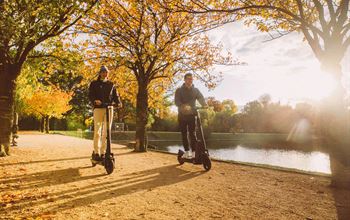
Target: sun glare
(321, 85)
(314, 85)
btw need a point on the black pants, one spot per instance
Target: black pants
(188, 129)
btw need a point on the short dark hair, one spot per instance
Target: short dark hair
(187, 75)
(103, 69)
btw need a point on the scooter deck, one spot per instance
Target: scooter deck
(99, 162)
(192, 160)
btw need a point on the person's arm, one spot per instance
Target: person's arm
(92, 93)
(201, 99)
(116, 97)
(178, 102)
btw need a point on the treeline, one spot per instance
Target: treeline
(261, 115)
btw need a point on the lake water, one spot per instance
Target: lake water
(312, 160)
(307, 157)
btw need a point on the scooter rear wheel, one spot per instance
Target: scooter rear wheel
(206, 162)
(93, 164)
(180, 159)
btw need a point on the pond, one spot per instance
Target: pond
(310, 157)
(301, 157)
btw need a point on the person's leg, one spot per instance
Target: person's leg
(183, 129)
(192, 133)
(104, 134)
(98, 119)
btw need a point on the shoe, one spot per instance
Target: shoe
(187, 155)
(95, 157)
(193, 154)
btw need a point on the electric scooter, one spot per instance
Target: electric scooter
(108, 161)
(202, 153)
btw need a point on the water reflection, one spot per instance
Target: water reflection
(307, 160)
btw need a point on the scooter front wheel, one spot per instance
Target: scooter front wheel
(206, 162)
(109, 166)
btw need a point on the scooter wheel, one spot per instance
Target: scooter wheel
(180, 159)
(109, 166)
(206, 162)
(93, 164)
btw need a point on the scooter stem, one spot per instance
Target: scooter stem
(108, 149)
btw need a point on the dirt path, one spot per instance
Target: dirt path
(50, 176)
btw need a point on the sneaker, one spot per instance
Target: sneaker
(187, 155)
(95, 157)
(193, 154)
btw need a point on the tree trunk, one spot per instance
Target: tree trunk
(8, 75)
(47, 124)
(335, 125)
(336, 119)
(42, 123)
(141, 118)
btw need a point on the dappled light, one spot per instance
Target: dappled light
(173, 109)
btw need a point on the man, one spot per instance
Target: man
(102, 91)
(185, 100)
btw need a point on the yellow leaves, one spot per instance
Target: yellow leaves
(50, 101)
(89, 121)
(262, 27)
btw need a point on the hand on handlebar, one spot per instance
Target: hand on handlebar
(119, 105)
(97, 102)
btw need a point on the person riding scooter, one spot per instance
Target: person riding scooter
(185, 100)
(101, 92)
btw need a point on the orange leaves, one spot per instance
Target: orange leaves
(51, 101)
(11, 198)
(143, 42)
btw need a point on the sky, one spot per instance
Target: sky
(285, 67)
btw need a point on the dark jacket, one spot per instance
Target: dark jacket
(188, 96)
(103, 91)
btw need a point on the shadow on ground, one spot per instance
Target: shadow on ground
(59, 200)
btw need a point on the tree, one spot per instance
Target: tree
(251, 116)
(153, 46)
(222, 120)
(215, 104)
(23, 26)
(46, 103)
(265, 100)
(229, 106)
(63, 66)
(55, 65)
